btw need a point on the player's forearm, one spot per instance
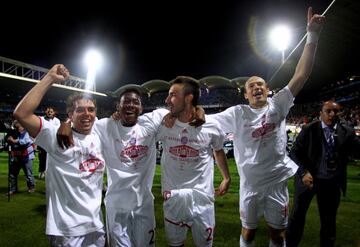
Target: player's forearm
(305, 64)
(221, 162)
(303, 69)
(32, 99)
(24, 111)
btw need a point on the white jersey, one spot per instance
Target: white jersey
(130, 154)
(187, 159)
(55, 121)
(260, 140)
(73, 183)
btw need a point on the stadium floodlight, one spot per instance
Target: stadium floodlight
(93, 61)
(280, 38)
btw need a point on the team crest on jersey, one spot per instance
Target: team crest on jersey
(132, 141)
(263, 130)
(89, 166)
(184, 151)
(134, 152)
(184, 140)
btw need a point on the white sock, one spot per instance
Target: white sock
(244, 243)
(272, 244)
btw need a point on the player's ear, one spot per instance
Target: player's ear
(189, 98)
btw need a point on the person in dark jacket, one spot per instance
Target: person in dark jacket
(21, 157)
(321, 151)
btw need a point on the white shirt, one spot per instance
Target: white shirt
(260, 140)
(187, 158)
(130, 154)
(74, 182)
(55, 121)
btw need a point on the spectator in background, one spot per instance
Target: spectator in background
(50, 117)
(21, 157)
(321, 151)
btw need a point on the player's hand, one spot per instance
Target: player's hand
(223, 188)
(11, 139)
(168, 120)
(314, 21)
(64, 136)
(116, 116)
(198, 117)
(307, 180)
(58, 73)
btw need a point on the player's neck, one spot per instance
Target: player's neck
(187, 115)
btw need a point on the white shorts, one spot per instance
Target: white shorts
(131, 228)
(187, 208)
(93, 239)
(271, 201)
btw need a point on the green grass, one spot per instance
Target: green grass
(22, 220)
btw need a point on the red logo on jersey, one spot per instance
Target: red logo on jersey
(134, 152)
(91, 165)
(184, 151)
(263, 130)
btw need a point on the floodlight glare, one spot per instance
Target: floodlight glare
(93, 59)
(280, 37)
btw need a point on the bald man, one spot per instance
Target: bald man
(260, 146)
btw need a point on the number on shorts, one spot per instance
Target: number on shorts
(210, 231)
(152, 232)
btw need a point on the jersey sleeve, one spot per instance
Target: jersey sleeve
(283, 100)
(100, 126)
(46, 138)
(225, 119)
(152, 121)
(218, 136)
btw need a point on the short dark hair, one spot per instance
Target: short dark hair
(191, 86)
(331, 101)
(130, 90)
(70, 103)
(49, 107)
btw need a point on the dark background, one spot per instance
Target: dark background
(142, 41)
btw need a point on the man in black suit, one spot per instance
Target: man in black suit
(321, 151)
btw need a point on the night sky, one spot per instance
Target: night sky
(145, 41)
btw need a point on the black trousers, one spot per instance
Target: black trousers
(42, 159)
(328, 195)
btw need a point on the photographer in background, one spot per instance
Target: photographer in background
(21, 155)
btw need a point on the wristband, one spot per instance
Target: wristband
(312, 37)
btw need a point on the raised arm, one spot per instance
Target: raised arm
(305, 64)
(24, 111)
